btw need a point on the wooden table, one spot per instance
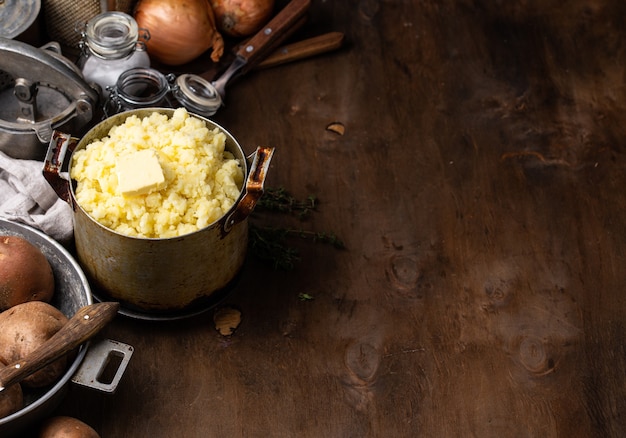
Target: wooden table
(479, 189)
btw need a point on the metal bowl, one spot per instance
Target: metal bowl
(71, 293)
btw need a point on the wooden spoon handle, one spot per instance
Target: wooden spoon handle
(262, 42)
(303, 49)
(87, 321)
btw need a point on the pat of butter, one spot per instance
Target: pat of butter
(139, 173)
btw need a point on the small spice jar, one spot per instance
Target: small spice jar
(110, 46)
(143, 87)
(197, 94)
(139, 87)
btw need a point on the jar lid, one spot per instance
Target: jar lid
(16, 16)
(112, 35)
(197, 94)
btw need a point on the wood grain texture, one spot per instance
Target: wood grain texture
(479, 189)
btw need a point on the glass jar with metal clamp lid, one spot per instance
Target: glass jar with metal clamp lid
(109, 46)
(197, 94)
(147, 87)
(140, 87)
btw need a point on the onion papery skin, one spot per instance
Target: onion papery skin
(180, 30)
(241, 18)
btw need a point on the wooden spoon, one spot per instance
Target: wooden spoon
(263, 42)
(303, 49)
(87, 321)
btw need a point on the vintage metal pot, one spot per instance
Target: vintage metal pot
(155, 278)
(72, 292)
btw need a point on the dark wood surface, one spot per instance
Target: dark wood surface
(479, 188)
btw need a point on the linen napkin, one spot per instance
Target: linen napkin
(27, 198)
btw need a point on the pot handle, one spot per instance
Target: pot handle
(58, 149)
(254, 187)
(104, 365)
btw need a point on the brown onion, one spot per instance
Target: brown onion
(180, 30)
(240, 18)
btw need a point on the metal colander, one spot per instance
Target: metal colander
(64, 18)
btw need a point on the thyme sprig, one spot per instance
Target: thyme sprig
(271, 244)
(268, 245)
(280, 200)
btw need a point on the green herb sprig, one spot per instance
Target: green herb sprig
(271, 244)
(280, 200)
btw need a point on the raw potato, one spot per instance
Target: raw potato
(25, 327)
(25, 273)
(66, 427)
(11, 399)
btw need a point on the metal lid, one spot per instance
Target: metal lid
(197, 94)
(17, 15)
(40, 90)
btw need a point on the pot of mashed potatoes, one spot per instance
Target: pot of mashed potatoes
(161, 199)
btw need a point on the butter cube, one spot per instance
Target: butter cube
(139, 173)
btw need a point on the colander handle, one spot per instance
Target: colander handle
(61, 146)
(254, 188)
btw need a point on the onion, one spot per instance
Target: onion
(240, 18)
(180, 30)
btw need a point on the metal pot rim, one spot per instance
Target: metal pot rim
(108, 123)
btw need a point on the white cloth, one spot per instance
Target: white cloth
(26, 197)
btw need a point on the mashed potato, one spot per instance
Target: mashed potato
(202, 180)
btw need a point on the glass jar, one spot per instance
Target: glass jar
(197, 94)
(109, 46)
(146, 87)
(139, 87)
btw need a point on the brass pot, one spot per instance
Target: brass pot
(154, 278)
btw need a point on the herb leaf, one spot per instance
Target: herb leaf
(280, 200)
(270, 244)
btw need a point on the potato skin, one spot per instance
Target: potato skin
(23, 328)
(25, 273)
(12, 398)
(66, 427)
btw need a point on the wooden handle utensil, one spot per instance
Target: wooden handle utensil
(87, 321)
(303, 49)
